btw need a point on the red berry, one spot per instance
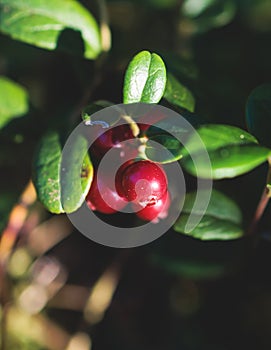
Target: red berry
(144, 182)
(111, 138)
(103, 198)
(154, 212)
(150, 118)
(119, 176)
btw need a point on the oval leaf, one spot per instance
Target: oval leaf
(232, 152)
(41, 23)
(175, 125)
(258, 113)
(145, 79)
(13, 101)
(76, 175)
(221, 221)
(62, 184)
(163, 149)
(178, 94)
(47, 173)
(163, 145)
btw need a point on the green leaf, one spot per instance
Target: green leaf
(221, 221)
(62, 184)
(76, 175)
(258, 113)
(145, 79)
(178, 94)
(163, 149)
(232, 152)
(47, 173)
(41, 23)
(13, 101)
(207, 14)
(179, 125)
(163, 145)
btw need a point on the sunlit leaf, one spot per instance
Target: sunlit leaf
(165, 137)
(232, 152)
(145, 79)
(163, 149)
(62, 184)
(13, 101)
(221, 221)
(47, 173)
(178, 94)
(41, 23)
(76, 175)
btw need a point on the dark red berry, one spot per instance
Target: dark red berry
(149, 119)
(154, 212)
(119, 176)
(144, 182)
(103, 198)
(111, 138)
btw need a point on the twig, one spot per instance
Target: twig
(262, 203)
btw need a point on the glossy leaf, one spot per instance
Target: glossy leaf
(221, 221)
(76, 175)
(258, 113)
(178, 94)
(232, 152)
(47, 173)
(170, 132)
(62, 184)
(41, 23)
(145, 79)
(177, 125)
(13, 101)
(163, 149)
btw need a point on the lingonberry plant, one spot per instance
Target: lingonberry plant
(232, 152)
(59, 69)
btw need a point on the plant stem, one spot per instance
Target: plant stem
(262, 203)
(133, 125)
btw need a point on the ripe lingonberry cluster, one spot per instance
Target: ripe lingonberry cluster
(140, 183)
